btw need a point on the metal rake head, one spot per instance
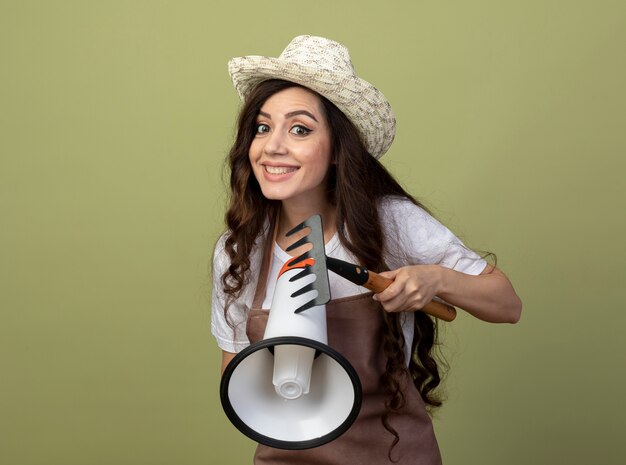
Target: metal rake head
(313, 260)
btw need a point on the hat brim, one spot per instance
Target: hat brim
(360, 101)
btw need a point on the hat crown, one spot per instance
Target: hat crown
(318, 52)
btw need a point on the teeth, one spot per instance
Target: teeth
(279, 169)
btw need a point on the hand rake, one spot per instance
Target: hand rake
(354, 273)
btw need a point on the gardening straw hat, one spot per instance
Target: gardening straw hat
(324, 66)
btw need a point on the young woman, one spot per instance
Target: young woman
(308, 141)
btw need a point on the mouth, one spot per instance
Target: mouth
(279, 169)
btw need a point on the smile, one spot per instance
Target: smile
(279, 169)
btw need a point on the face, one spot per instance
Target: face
(290, 154)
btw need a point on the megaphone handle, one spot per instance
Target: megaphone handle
(445, 312)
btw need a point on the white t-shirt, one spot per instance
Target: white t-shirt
(418, 238)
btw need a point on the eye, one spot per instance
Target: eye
(300, 130)
(262, 128)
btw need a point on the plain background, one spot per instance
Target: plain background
(114, 121)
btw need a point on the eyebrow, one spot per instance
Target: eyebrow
(291, 114)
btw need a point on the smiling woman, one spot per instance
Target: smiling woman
(309, 137)
(290, 154)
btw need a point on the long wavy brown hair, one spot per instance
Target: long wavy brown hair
(356, 184)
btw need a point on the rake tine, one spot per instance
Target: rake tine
(306, 306)
(295, 229)
(305, 272)
(297, 244)
(304, 290)
(300, 258)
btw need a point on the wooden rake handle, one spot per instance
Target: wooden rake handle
(434, 308)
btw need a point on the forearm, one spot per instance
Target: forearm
(226, 359)
(489, 296)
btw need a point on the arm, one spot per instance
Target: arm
(488, 296)
(433, 256)
(222, 329)
(226, 359)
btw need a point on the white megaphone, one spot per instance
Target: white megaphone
(291, 390)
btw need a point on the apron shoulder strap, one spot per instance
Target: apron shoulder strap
(266, 263)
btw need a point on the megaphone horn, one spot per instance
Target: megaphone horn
(291, 390)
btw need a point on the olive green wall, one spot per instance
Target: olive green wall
(114, 120)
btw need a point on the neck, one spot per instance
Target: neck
(292, 214)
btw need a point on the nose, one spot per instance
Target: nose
(275, 144)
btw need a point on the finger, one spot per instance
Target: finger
(389, 274)
(396, 304)
(406, 301)
(393, 298)
(392, 291)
